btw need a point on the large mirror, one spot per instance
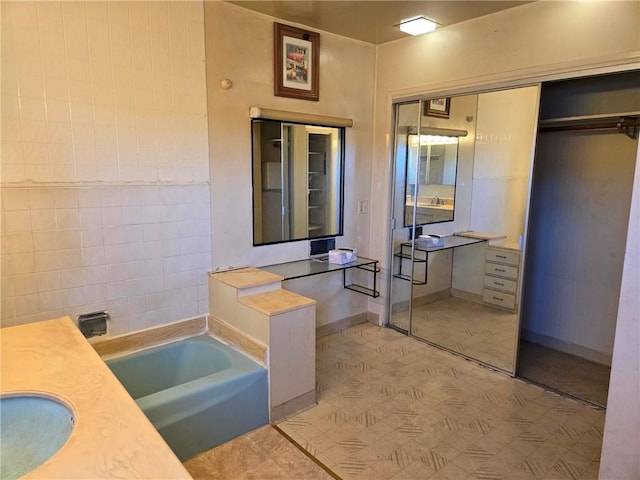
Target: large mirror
(297, 181)
(462, 293)
(430, 187)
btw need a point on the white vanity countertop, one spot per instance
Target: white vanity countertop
(495, 239)
(482, 235)
(111, 437)
(506, 246)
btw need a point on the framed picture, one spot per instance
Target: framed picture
(296, 69)
(437, 107)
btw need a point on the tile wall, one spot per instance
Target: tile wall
(105, 171)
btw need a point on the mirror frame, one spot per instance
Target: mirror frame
(436, 131)
(339, 188)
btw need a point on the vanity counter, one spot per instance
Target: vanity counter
(111, 437)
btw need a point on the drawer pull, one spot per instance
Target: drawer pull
(499, 284)
(501, 256)
(499, 270)
(498, 298)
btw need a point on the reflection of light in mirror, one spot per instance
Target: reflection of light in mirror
(432, 140)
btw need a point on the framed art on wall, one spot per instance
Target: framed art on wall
(296, 69)
(437, 107)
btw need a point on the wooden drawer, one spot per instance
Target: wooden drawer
(500, 255)
(500, 299)
(501, 270)
(500, 284)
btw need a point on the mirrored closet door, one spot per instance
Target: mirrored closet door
(462, 164)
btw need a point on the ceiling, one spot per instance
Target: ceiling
(373, 21)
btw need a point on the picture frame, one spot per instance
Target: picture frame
(438, 107)
(296, 62)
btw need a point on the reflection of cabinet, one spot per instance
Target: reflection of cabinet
(317, 183)
(501, 277)
(320, 168)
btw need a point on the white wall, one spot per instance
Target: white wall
(105, 195)
(578, 230)
(621, 451)
(239, 45)
(346, 85)
(505, 130)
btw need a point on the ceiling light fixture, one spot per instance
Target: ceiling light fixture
(417, 25)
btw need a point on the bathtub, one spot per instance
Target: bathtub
(197, 392)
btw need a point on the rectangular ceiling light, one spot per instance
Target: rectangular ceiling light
(417, 26)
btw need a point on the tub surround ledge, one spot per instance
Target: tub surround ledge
(131, 342)
(251, 302)
(111, 437)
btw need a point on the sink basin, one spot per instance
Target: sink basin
(32, 430)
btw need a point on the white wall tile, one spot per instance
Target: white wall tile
(42, 241)
(26, 304)
(72, 277)
(69, 218)
(48, 281)
(96, 107)
(43, 219)
(16, 221)
(21, 242)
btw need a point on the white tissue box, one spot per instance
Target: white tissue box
(430, 241)
(341, 256)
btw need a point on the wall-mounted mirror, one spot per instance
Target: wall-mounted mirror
(432, 160)
(297, 181)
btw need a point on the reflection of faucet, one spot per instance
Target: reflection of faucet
(435, 200)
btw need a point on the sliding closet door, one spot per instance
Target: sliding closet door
(403, 214)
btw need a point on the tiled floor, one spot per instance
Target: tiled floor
(391, 407)
(475, 330)
(565, 373)
(259, 455)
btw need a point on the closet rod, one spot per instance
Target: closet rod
(628, 126)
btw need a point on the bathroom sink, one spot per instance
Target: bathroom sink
(32, 430)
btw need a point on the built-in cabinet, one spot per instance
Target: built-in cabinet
(319, 186)
(501, 277)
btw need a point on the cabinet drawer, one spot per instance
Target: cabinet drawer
(500, 299)
(500, 284)
(503, 256)
(501, 270)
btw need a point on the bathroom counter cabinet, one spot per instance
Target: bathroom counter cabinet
(501, 277)
(111, 437)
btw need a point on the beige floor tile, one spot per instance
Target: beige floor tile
(415, 471)
(591, 473)
(267, 470)
(259, 455)
(451, 472)
(393, 407)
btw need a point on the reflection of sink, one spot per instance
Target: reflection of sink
(32, 430)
